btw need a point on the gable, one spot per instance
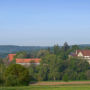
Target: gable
(80, 54)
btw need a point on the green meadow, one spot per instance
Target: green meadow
(63, 87)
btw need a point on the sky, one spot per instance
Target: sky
(44, 22)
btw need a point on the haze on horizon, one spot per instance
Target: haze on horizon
(44, 22)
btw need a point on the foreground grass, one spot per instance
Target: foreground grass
(62, 87)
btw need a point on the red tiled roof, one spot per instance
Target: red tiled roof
(36, 60)
(11, 56)
(84, 52)
(77, 51)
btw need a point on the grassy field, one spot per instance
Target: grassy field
(63, 87)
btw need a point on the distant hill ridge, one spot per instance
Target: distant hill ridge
(6, 49)
(85, 45)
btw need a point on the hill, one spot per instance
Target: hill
(6, 49)
(84, 45)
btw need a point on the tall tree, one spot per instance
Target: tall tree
(56, 49)
(65, 46)
(2, 71)
(75, 47)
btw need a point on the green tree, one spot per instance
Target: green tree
(75, 47)
(2, 71)
(33, 70)
(1, 61)
(56, 49)
(78, 65)
(42, 53)
(43, 73)
(63, 56)
(49, 50)
(65, 77)
(65, 47)
(16, 75)
(88, 74)
(20, 55)
(52, 70)
(82, 76)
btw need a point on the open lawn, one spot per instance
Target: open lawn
(62, 87)
(72, 85)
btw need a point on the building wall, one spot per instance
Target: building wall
(28, 64)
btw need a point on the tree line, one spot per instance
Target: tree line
(55, 65)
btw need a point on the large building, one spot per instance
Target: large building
(28, 62)
(83, 54)
(24, 61)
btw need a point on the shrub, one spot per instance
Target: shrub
(65, 77)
